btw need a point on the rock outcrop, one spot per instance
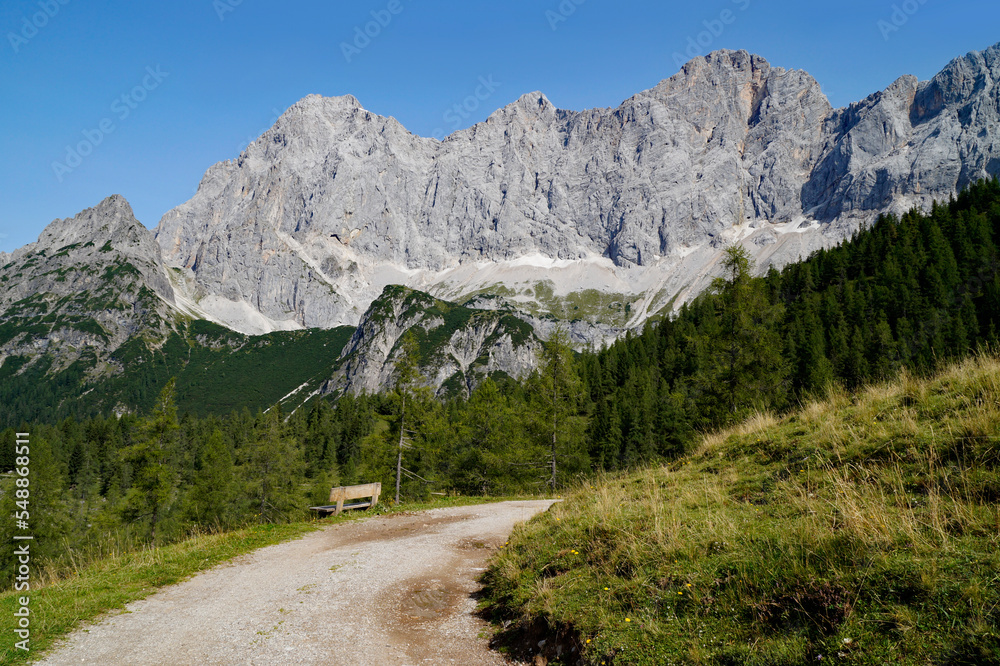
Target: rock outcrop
(458, 347)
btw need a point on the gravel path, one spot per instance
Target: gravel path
(393, 589)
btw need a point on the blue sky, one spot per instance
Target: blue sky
(155, 93)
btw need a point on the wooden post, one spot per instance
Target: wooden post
(399, 458)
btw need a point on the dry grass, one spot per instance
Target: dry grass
(863, 529)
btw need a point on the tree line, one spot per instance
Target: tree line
(909, 293)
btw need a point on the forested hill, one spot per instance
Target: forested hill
(909, 292)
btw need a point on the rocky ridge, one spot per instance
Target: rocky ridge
(458, 347)
(85, 287)
(333, 203)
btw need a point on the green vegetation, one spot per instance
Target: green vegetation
(863, 529)
(858, 529)
(448, 319)
(217, 371)
(124, 571)
(906, 293)
(589, 304)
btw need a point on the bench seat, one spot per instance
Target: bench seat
(342, 494)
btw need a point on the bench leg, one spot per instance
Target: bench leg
(340, 506)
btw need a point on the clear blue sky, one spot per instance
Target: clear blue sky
(201, 78)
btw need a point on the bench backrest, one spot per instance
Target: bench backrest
(342, 493)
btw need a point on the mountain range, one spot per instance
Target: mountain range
(338, 230)
(551, 208)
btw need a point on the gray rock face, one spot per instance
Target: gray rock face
(580, 334)
(330, 205)
(104, 235)
(87, 285)
(460, 346)
(911, 143)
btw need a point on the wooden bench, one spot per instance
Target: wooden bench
(338, 496)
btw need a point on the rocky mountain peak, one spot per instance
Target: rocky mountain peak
(962, 81)
(534, 102)
(335, 202)
(84, 287)
(107, 231)
(458, 347)
(111, 219)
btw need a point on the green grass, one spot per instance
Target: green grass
(588, 304)
(863, 529)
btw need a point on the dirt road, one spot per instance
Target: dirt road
(383, 591)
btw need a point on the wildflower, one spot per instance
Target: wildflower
(607, 588)
(628, 619)
(689, 584)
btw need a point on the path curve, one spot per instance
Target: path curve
(392, 589)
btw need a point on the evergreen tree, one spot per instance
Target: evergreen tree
(406, 374)
(745, 364)
(152, 477)
(273, 471)
(560, 391)
(213, 490)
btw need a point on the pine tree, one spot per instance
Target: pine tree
(406, 374)
(560, 391)
(212, 493)
(273, 470)
(745, 363)
(152, 477)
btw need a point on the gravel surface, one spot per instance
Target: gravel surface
(393, 589)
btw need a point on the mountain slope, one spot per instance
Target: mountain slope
(860, 530)
(457, 347)
(90, 322)
(333, 203)
(88, 284)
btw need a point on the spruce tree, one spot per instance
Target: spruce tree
(745, 363)
(153, 478)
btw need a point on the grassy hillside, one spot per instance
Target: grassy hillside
(861, 530)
